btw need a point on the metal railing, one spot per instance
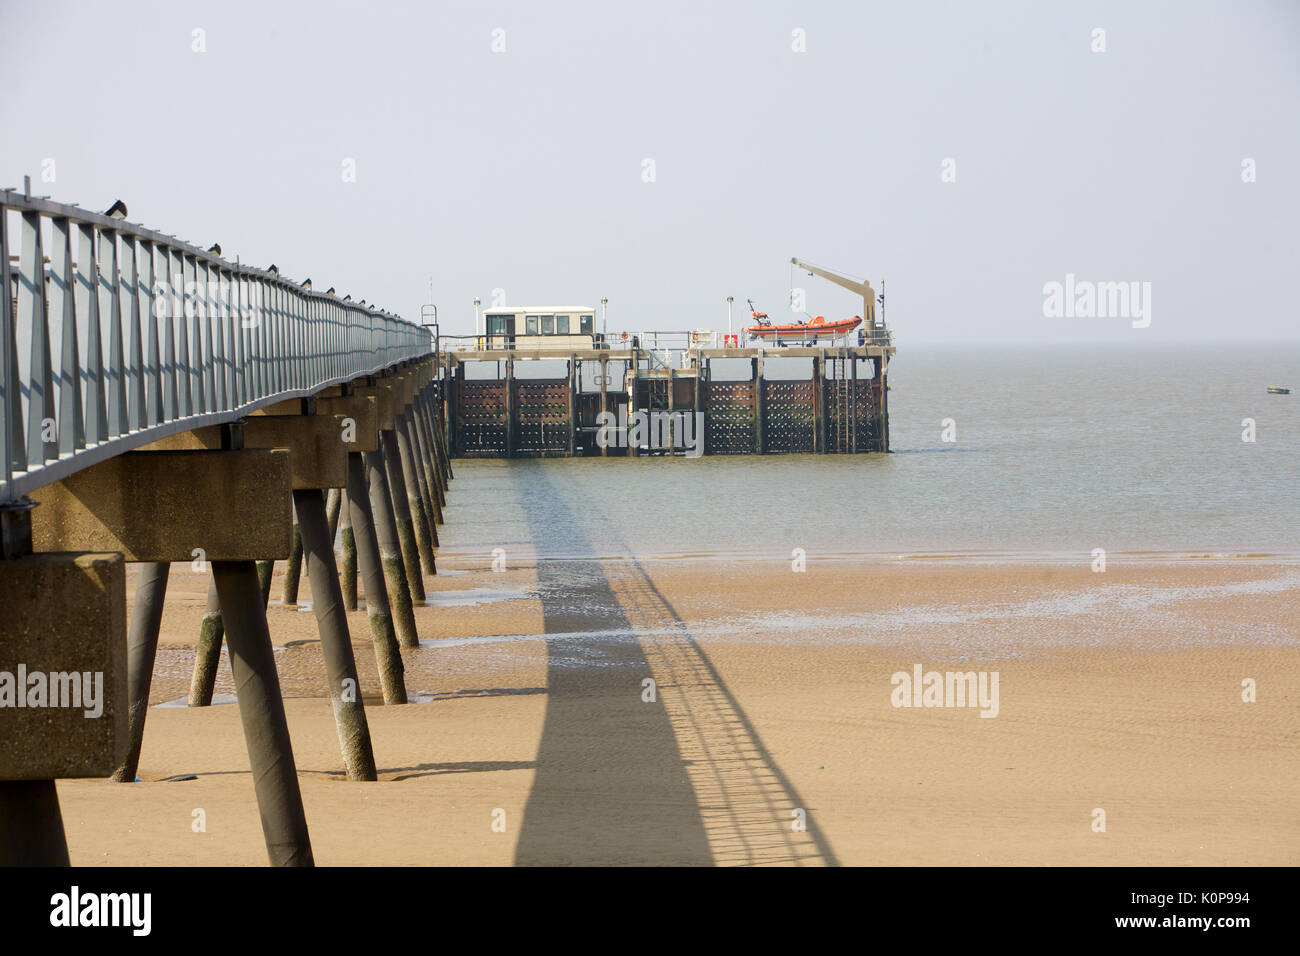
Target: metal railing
(876, 336)
(665, 346)
(124, 335)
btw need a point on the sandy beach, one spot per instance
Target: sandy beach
(772, 737)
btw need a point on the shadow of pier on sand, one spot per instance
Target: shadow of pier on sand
(620, 779)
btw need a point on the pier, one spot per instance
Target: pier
(811, 399)
(161, 404)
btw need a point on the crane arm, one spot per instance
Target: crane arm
(861, 288)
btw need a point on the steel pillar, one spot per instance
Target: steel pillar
(403, 519)
(261, 710)
(207, 654)
(420, 519)
(387, 655)
(335, 640)
(141, 649)
(385, 529)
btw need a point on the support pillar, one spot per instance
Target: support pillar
(427, 433)
(261, 710)
(440, 422)
(421, 513)
(631, 400)
(573, 392)
(702, 373)
(819, 392)
(853, 404)
(348, 562)
(383, 634)
(31, 824)
(511, 407)
(381, 507)
(292, 569)
(335, 640)
(440, 436)
(425, 470)
(333, 506)
(450, 378)
(672, 438)
(265, 571)
(207, 653)
(141, 650)
(403, 520)
(604, 400)
(882, 369)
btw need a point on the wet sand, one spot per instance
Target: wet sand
(1119, 691)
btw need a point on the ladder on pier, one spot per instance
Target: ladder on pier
(842, 404)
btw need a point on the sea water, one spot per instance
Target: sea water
(995, 451)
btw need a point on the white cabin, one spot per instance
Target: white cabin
(540, 326)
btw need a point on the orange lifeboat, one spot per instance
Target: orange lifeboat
(814, 328)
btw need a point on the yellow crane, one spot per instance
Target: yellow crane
(863, 289)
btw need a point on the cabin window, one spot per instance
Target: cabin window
(497, 324)
(561, 325)
(548, 325)
(530, 324)
(586, 324)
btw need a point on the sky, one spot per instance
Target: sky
(666, 155)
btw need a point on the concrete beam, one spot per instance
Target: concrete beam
(385, 402)
(292, 406)
(159, 506)
(363, 411)
(404, 389)
(318, 454)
